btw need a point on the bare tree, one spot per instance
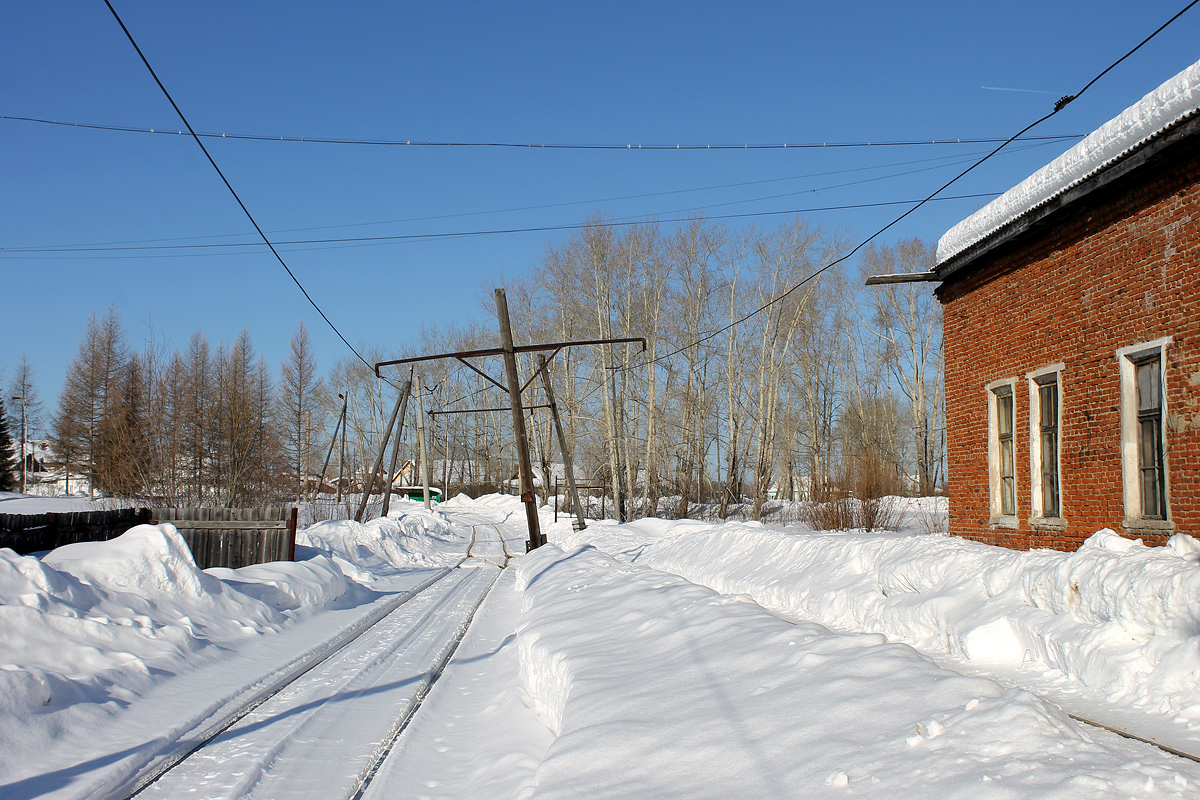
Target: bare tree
(906, 319)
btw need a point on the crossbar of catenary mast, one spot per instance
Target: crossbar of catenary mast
(525, 348)
(481, 410)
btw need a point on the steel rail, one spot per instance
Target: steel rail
(389, 744)
(201, 735)
(1133, 736)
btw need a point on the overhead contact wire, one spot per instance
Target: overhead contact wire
(232, 191)
(1059, 105)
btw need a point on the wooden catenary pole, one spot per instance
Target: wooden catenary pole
(424, 467)
(522, 440)
(387, 491)
(402, 400)
(580, 524)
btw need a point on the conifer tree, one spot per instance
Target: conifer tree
(8, 456)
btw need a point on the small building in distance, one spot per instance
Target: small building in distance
(1072, 339)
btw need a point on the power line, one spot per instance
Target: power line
(524, 145)
(950, 159)
(1059, 105)
(351, 241)
(229, 186)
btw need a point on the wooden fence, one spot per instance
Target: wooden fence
(33, 533)
(217, 537)
(234, 537)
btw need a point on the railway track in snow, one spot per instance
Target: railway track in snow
(321, 725)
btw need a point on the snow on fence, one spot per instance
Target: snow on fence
(217, 537)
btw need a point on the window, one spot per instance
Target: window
(1148, 377)
(1048, 443)
(1002, 456)
(1004, 430)
(1045, 445)
(1143, 435)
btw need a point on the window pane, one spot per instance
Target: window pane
(1004, 414)
(1148, 454)
(1050, 498)
(1008, 499)
(1006, 458)
(1151, 496)
(1048, 400)
(1148, 385)
(1050, 473)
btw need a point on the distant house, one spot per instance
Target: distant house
(1072, 339)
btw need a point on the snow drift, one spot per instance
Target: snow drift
(707, 695)
(1115, 623)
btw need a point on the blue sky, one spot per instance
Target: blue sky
(554, 72)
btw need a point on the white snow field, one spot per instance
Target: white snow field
(655, 659)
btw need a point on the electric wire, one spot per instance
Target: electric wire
(350, 241)
(229, 186)
(950, 160)
(524, 145)
(1059, 105)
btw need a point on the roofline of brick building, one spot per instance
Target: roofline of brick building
(1151, 151)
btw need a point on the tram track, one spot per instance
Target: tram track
(429, 620)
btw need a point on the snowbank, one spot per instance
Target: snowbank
(1116, 623)
(656, 687)
(90, 628)
(408, 537)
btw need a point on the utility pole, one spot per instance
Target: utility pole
(387, 493)
(579, 523)
(333, 443)
(22, 399)
(522, 440)
(421, 442)
(514, 388)
(342, 455)
(401, 404)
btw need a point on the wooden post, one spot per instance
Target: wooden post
(291, 533)
(367, 489)
(387, 490)
(333, 443)
(424, 465)
(579, 523)
(522, 441)
(342, 455)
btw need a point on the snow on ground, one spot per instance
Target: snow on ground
(408, 537)
(1112, 630)
(17, 503)
(91, 629)
(659, 658)
(657, 687)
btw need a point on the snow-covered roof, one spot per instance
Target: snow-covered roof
(1169, 104)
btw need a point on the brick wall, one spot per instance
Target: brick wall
(1119, 267)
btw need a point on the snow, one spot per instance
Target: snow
(710, 696)
(1112, 629)
(1169, 104)
(660, 658)
(17, 503)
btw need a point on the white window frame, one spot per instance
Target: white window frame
(995, 504)
(1127, 358)
(1034, 380)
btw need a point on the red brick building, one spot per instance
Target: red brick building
(1072, 339)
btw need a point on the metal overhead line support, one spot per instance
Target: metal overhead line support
(514, 387)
